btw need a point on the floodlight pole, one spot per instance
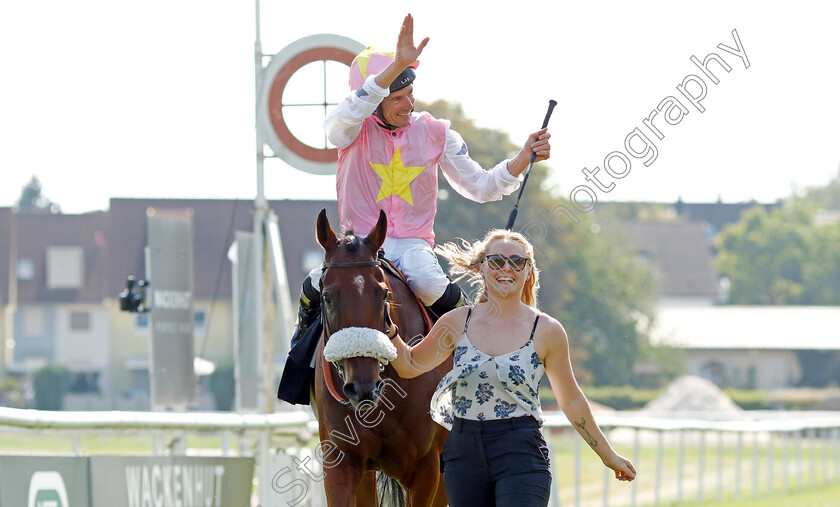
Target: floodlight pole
(260, 212)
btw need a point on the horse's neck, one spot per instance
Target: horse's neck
(411, 316)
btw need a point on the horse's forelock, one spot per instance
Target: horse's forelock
(352, 243)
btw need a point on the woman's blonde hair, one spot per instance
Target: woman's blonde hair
(466, 261)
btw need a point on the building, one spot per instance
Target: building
(749, 347)
(60, 294)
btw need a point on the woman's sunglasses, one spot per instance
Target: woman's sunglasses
(497, 261)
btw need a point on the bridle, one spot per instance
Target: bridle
(327, 331)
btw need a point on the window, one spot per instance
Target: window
(199, 322)
(25, 269)
(84, 382)
(79, 321)
(65, 267)
(141, 323)
(33, 321)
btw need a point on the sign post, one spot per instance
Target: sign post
(170, 271)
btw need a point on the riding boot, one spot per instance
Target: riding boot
(308, 310)
(452, 298)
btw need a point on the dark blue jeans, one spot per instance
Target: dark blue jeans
(498, 463)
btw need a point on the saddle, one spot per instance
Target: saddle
(298, 377)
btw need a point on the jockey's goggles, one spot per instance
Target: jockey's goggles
(498, 261)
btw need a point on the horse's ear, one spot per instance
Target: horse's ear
(325, 234)
(376, 236)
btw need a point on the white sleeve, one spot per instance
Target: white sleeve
(344, 123)
(468, 178)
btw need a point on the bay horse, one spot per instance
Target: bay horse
(383, 425)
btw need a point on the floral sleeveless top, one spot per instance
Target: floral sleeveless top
(483, 387)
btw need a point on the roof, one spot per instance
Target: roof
(214, 224)
(749, 327)
(113, 244)
(680, 251)
(37, 232)
(717, 214)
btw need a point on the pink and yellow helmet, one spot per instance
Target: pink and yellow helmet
(371, 62)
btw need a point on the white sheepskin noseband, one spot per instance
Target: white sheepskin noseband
(359, 342)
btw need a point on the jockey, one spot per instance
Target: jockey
(388, 159)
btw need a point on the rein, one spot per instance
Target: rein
(328, 378)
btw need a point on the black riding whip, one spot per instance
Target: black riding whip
(512, 217)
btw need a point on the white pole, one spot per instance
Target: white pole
(812, 462)
(701, 464)
(771, 460)
(835, 440)
(755, 465)
(606, 478)
(786, 462)
(657, 487)
(577, 471)
(738, 447)
(259, 216)
(719, 495)
(260, 207)
(680, 459)
(799, 465)
(636, 454)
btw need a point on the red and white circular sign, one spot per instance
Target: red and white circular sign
(272, 124)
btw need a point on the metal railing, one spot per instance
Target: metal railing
(678, 456)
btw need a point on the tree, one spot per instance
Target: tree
(222, 385)
(589, 280)
(32, 198)
(827, 197)
(50, 383)
(781, 258)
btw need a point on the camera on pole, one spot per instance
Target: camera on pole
(133, 298)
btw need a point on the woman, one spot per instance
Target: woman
(495, 453)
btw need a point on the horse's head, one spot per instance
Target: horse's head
(354, 292)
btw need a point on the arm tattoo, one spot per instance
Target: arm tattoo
(589, 440)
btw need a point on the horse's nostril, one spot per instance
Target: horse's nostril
(350, 391)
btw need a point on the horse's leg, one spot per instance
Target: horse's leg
(366, 494)
(440, 496)
(426, 487)
(341, 484)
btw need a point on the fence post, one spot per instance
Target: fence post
(738, 451)
(659, 445)
(836, 432)
(636, 456)
(701, 464)
(786, 462)
(755, 465)
(812, 457)
(800, 469)
(77, 443)
(576, 447)
(606, 497)
(719, 472)
(680, 459)
(771, 460)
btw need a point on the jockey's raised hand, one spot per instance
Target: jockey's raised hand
(405, 55)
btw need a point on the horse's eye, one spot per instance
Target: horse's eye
(327, 299)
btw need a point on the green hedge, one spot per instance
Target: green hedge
(749, 399)
(630, 398)
(50, 383)
(621, 397)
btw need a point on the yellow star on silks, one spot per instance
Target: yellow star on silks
(396, 178)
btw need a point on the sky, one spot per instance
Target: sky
(105, 98)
